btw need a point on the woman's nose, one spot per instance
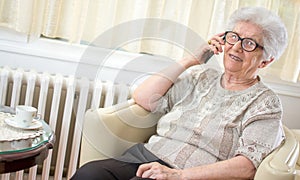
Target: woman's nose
(238, 46)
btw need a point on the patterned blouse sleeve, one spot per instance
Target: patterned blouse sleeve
(182, 87)
(262, 131)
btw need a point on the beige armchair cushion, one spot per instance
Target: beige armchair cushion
(108, 132)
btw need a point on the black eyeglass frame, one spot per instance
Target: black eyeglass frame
(242, 39)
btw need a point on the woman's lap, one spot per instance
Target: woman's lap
(109, 169)
(123, 167)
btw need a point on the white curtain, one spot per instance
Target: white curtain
(25, 16)
(125, 24)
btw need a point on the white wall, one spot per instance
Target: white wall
(78, 60)
(291, 109)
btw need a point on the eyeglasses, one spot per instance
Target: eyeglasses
(247, 43)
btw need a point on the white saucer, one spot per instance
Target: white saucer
(34, 125)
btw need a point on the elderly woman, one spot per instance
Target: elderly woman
(217, 125)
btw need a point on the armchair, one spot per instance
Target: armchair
(108, 132)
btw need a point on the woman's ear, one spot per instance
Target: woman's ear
(266, 62)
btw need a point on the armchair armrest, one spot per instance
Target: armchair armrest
(108, 132)
(282, 164)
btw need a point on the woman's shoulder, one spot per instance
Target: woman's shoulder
(266, 101)
(268, 93)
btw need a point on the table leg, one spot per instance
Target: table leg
(5, 176)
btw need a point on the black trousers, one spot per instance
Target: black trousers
(122, 168)
(109, 169)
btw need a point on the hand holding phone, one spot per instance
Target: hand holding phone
(216, 42)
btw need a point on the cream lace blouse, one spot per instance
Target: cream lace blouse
(205, 123)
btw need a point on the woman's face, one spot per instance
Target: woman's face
(240, 63)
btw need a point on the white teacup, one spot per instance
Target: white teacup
(25, 115)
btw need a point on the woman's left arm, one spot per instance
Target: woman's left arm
(238, 167)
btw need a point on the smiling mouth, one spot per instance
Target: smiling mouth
(235, 58)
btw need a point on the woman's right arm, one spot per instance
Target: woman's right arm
(154, 87)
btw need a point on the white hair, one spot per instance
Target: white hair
(275, 37)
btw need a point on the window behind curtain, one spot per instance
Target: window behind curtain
(82, 21)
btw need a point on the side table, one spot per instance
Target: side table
(24, 153)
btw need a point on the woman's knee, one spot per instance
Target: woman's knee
(106, 169)
(92, 171)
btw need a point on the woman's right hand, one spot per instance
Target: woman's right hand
(216, 42)
(205, 51)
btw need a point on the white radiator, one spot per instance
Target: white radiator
(62, 101)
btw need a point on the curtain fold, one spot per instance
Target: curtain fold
(24, 16)
(83, 21)
(289, 65)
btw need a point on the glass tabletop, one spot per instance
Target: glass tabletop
(27, 144)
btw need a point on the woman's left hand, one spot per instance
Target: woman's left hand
(157, 171)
